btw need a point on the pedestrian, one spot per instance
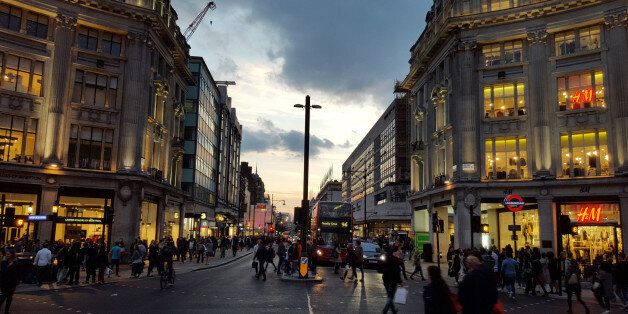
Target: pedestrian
(192, 245)
(234, 246)
(359, 262)
(621, 279)
(351, 260)
(101, 261)
(223, 246)
(509, 271)
(8, 279)
(153, 257)
(417, 266)
(90, 253)
(456, 265)
(73, 260)
(477, 291)
(42, 262)
(436, 294)
(116, 253)
(391, 276)
(572, 282)
(200, 251)
(281, 253)
(136, 262)
(604, 282)
(62, 264)
(336, 256)
(271, 256)
(261, 255)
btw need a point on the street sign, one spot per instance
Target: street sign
(514, 202)
(514, 237)
(303, 270)
(517, 227)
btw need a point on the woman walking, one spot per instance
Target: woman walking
(391, 277)
(436, 294)
(572, 282)
(8, 280)
(455, 266)
(337, 258)
(604, 281)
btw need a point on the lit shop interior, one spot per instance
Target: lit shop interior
(81, 218)
(21, 205)
(598, 231)
(499, 218)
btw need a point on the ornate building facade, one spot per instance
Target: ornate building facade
(523, 97)
(91, 117)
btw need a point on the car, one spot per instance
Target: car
(372, 255)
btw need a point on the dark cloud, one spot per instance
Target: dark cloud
(348, 48)
(270, 137)
(346, 144)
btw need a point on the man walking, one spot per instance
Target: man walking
(359, 252)
(116, 252)
(234, 245)
(42, 262)
(261, 255)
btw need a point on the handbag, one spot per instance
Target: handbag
(254, 265)
(573, 279)
(401, 295)
(596, 286)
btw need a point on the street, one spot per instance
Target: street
(233, 289)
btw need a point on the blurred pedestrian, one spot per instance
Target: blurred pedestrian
(509, 271)
(336, 256)
(116, 254)
(604, 290)
(436, 294)
(101, 261)
(351, 260)
(153, 258)
(572, 282)
(42, 262)
(477, 291)
(8, 279)
(391, 275)
(417, 266)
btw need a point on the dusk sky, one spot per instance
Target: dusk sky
(345, 54)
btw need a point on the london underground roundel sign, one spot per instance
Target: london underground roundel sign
(514, 203)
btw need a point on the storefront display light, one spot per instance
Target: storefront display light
(30, 209)
(55, 209)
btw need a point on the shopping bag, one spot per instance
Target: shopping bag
(401, 295)
(254, 264)
(61, 274)
(108, 271)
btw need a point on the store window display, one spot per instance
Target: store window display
(148, 221)
(81, 218)
(22, 205)
(498, 218)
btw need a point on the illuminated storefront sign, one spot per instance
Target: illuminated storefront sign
(37, 217)
(80, 220)
(589, 214)
(585, 95)
(334, 224)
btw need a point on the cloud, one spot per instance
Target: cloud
(346, 144)
(272, 138)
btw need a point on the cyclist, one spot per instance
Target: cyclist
(167, 253)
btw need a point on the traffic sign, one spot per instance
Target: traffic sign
(514, 202)
(517, 227)
(514, 237)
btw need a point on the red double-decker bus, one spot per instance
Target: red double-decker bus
(331, 224)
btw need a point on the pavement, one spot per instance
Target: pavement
(232, 288)
(125, 272)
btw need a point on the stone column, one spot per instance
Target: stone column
(465, 109)
(623, 209)
(126, 224)
(538, 103)
(57, 86)
(462, 224)
(48, 199)
(135, 101)
(547, 223)
(617, 86)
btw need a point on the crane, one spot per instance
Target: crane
(197, 21)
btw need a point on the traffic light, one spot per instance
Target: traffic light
(564, 224)
(573, 230)
(435, 226)
(9, 217)
(108, 214)
(485, 228)
(19, 223)
(476, 224)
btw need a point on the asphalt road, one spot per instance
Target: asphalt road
(233, 289)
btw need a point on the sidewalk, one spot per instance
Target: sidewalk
(125, 272)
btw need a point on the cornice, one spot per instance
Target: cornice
(65, 21)
(616, 18)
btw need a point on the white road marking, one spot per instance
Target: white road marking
(114, 295)
(309, 304)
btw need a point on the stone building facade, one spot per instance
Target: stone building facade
(523, 97)
(91, 111)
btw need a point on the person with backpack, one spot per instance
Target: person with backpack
(200, 251)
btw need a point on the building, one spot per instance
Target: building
(253, 216)
(525, 98)
(376, 174)
(331, 191)
(200, 161)
(91, 116)
(228, 176)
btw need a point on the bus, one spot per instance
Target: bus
(332, 222)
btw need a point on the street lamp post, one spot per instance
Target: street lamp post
(306, 165)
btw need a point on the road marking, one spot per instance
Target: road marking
(309, 304)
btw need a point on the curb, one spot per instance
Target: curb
(222, 264)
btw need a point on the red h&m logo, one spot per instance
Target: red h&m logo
(589, 214)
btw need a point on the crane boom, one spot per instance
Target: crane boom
(197, 21)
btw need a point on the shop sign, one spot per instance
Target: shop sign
(468, 167)
(514, 202)
(585, 95)
(260, 206)
(589, 214)
(334, 224)
(81, 220)
(37, 217)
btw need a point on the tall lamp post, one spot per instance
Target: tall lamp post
(272, 207)
(306, 165)
(364, 174)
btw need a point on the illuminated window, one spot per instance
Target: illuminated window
(491, 54)
(17, 138)
(577, 40)
(111, 43)
(90, 147)
(87, 38)
(513, 51)
(10, 17)
(506, 158)
(37, 25)
(496, 5)
(502, 53)
(504, 100)
(21, 74)
(584, 154)
(95, 89)
(581, 90)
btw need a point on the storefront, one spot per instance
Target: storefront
(148, 219)
(20, 206)
(77, 218)
(598, 227)
(172, 222)
(499, 220)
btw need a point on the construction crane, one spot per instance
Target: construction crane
(197, 21)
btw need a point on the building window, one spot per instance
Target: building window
(87, 38)
(21, 74)
(90, 147)
(584, 154)
(504, 100)
(111, 43)
(496, 5)
(506, 158)
(10, 17)
(37, 25)
(17, 138)
(581, 90)
(502, 53)
(577, 40)
(95, 90)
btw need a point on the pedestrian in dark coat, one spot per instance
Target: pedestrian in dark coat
(8, 280)
(73, 260)
(477, 292)
(436, 294)
(102, 257)
(90, 252)
(153, 257)
(391, 275)
(261, 255)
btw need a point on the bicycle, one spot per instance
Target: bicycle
(164, 281)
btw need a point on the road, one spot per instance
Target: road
(233, 289)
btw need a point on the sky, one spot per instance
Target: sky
(345, 54)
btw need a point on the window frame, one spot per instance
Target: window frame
(32, 74)
(501, 46)
(37, 24)
(517, 111)
(598, 159)
(568, 107)
(111, 99)
(75, 155)
(29, 127)
(577, 39)
(88, 36)
(11, 17)
(521, 175)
